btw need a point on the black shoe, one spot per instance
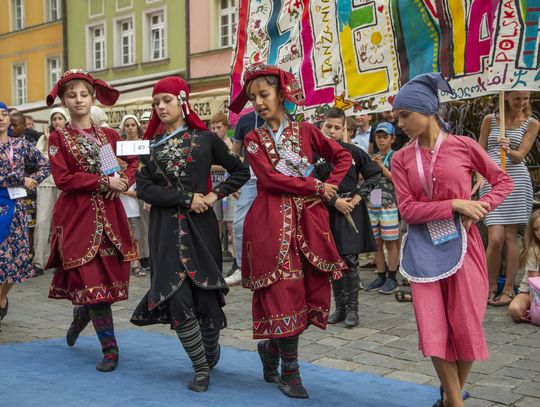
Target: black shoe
(200, 386)
(108, 364)
(213, 362)
(352, 319)
(296, 391)
(337, 316)
(233, 268)
(3, 311)
(38, 271)
(270, 375)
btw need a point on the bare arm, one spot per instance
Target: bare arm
(517, 156)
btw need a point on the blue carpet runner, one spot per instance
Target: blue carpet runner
(154, 371)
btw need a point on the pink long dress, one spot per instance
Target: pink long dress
(449, 312)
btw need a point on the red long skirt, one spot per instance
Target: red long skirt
(287, 307)
(104, 279)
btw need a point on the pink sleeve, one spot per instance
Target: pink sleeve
(502, 184)
(412, 210)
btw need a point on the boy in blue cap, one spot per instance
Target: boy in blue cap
(383, 214)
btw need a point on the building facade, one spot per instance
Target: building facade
(212, 25)
(128, 43)
(31, 51)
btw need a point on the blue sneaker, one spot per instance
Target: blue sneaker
(390, 286)
(377, 283)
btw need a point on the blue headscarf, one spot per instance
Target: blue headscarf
(421, 95)
(3, 106)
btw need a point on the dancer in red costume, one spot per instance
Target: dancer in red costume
(92, 245)
(289, 265)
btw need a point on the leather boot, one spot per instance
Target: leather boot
(352, 284)
(340, 298)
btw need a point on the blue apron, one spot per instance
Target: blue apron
(7, 209)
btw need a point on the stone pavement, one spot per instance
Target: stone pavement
(385, 343)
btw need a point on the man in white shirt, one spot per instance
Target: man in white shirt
(363, 132)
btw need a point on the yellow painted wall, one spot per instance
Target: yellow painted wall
(33, 46)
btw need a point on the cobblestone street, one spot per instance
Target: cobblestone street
(385, 344)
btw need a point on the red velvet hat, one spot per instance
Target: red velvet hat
(290, 87)
(177, 86)
(105, 93)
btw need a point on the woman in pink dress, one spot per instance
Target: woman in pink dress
(442, 254)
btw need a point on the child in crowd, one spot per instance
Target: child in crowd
(384, 215)
(530, 261)
(349, 218)
(350, 121)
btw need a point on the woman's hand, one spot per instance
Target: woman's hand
(29, 183)
(312, 200)
(355, 200)
(476, 210)
(198, 204)
(504, 143)
(112, 195)
(330, 191)
(344, 205)
(210, 198)
(118, 184)
(477, 184)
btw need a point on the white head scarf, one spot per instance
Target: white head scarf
(61, 111)
(129, 116)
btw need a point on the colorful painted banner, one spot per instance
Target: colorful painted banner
(357, 53)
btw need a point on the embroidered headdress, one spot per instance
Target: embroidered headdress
(290, 87)
(176, 86)
(105, 93)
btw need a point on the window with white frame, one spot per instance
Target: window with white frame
(157, 36)
(19, 76)
(18, 14)
(54, 71)
(97, 34)
(127, 39)
(227, 22)
(54, 9)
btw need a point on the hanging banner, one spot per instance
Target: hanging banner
(356, 54)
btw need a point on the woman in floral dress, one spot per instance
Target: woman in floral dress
(15, 262)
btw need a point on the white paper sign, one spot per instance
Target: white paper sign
(133, 147)
(16, 192)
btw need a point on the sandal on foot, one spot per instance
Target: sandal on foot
(136, 271)
(403, 294)
(440, 403)
(499, 303)
(492, 297)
